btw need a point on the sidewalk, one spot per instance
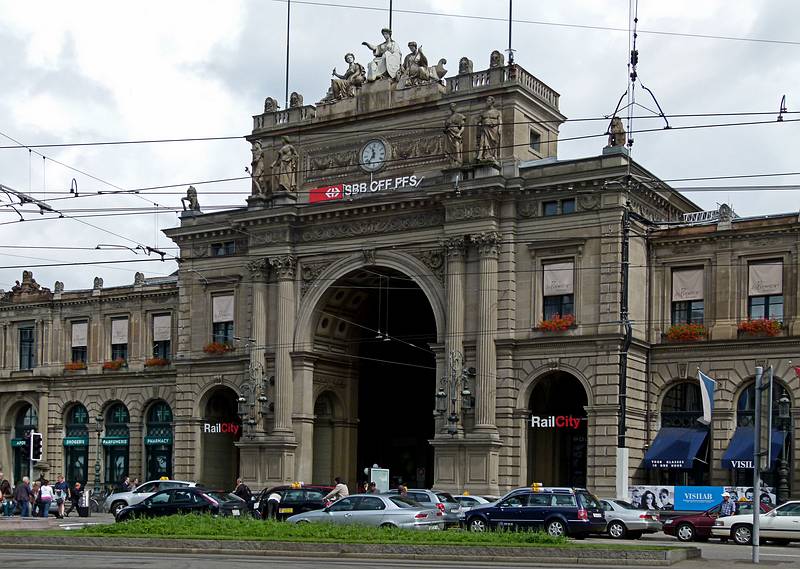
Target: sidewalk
(17, 523)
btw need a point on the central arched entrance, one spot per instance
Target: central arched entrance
(558, 431)
(375, 378)
(221, 428)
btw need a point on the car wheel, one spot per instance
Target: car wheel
(388, 526)
(617, 530)
(685, 532)
(303, 522)
(117, 506)
(742, 535)
(556, 528)
(477, 524)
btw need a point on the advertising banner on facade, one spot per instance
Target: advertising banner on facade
(692, 498)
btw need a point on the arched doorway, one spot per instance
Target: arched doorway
(558, 431)
(116, 444)
(76, 444)
(374, 327)
(25, 421)
(221, 428)
(158, 441)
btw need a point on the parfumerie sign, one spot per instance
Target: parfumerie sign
(354, 189)
(226, 428)
(556, 422)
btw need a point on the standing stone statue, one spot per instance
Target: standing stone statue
(344, 86)
(258, 170)
(190, 202)
(489, 133)
(454, 136)
(387, 60)
(616, 133)
(271, 105)
(464, 65)
(295, 100)
(285, 167)
(497, 59)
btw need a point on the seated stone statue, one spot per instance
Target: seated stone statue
(344, 86)
(387, 62)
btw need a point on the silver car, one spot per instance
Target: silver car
(118, 500)
(626, 520)
(376, 510)
(443, 501)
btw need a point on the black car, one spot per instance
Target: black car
(573, 512)
(184, 501)
(294, 500)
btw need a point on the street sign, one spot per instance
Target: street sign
(764, 428)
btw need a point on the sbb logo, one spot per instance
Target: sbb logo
(325, 193)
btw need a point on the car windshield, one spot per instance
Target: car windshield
(625, 505)
(446, 498)
(224, 497)
(402, 502)
(590, 501)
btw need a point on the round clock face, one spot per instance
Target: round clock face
(373, 155)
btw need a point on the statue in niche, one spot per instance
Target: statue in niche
(258, 170)
(190, 202)
(464, 66)
(497, 59)
(271, 105)
(295, 100)
(388, 59)
(489, 133)
(616, 133)
(344, 86)
(454, 135)
(285, 167)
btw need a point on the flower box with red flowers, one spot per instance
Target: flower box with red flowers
(114, 365)
(557, 323)
(685, 333)
(156, 362)
(74, 366)
(760, 327)
(217, 348)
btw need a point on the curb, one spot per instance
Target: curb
(566, 556)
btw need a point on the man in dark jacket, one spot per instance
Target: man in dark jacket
(75, 497)
(22, 495)
(243, 491)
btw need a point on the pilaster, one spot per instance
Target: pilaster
(284, 270)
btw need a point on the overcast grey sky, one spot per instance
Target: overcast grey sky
(98, 71)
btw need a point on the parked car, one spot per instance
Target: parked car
(118, 500)
(623, 519)
(571, 512)
(184, 500)
(468, 502)
(377, 510)
(697, 526)
(444, 501)
(294, 500)
(778, 526)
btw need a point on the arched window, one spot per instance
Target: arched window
(78, 421)
(745, 406)
(158, 441)
(27, 420)
(116, 443)
(682, 406)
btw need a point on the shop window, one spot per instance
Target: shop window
(222, 319)
(76, 445)
(27, 347)
(26, 421)
(765, 290)
(79, 342)
(535, 141)
(223, 249)
(119, 339)
(558, 289)
(162, 336)
(158, 441)
(116, 444)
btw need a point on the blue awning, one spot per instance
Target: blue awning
(740, 449)
(675, 447)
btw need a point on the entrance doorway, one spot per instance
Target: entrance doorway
(557, 432)
(25, 422)
(382, 324)
(220, 454)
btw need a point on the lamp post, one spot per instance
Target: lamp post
(784, 415)
(453, 385)
(99, 428)
(253, 400)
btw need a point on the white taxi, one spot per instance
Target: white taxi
(781, 525)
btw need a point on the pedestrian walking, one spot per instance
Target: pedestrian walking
(728, 506)
(372, 488)
(74, 497)
(45, 498)
(125, 485)
(35, 503)
(61, 490)
(134, 483)
(339, 491)
(243, 491)
(8, 498)
(23, 495)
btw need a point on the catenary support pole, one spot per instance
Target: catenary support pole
(757, 465)
(622, 450)
(288, 43)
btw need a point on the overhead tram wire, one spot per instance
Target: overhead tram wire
(545, 23)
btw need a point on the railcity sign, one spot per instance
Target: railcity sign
(226, 428)
(355, 189)
(556, 421)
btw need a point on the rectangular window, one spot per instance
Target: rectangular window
(27, 347)
(687, 296)
(558, 287)
(765, 290)
(222, 318)
(535, 141)
(162, 336)
(568, 206)
(119, 339)
(222, 249)
(80, 336)
(550, 208)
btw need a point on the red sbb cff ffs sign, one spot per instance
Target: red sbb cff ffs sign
(348, 190)
(556, 421)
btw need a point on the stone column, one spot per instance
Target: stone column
(454, 340)
(303, 418)
(284, 268)
(258, 318)
(488, 245)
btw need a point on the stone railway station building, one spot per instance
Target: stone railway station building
(400, 232)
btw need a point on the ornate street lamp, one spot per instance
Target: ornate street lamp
(253, 401)
(454, 384)
(99, 428)
(784, 416)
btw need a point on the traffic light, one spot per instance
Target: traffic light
(36, 447)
